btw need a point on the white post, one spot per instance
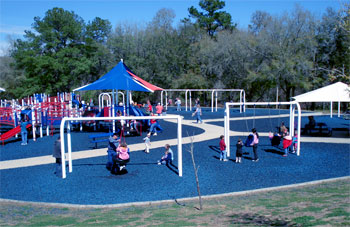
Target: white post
(212, 101)
(186, 99)
(216, 101)
(166, 100)
(227, 129)
(179, 144)
(69, 143)
(299, 127)
(113, 114)
(41, 120)
(331, 109)
(99, 102)
(33, 124)
(46, 113)
(291, 120)
(190, 101)
(63, 160)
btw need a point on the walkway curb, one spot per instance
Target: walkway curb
(148, 203)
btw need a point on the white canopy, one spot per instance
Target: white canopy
(2, 89)
(338, 92)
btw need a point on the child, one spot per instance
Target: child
(166, 158)
(239, 151)
(167, 147)
(198, 113)
(222, 149)
(295, 142)
(122, 158)
(24, 132)
(147, 140)
(287, 142)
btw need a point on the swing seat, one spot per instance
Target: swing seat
(276, 140)
(249, 140)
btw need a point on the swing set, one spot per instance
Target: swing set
(292, 106)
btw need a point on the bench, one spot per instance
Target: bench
(320, 128)
(98, 138)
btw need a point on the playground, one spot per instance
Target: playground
(29, 173)
(28, 170)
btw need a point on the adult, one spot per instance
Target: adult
(283, 129)
(149, 107)
(254, 144)
(159, 109)
(170, 102)
(178, 104)
(113, 143)
(197, 102)
(310, 125)
(57, 155)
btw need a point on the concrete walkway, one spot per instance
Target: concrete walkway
(210, 132)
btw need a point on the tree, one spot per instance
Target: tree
(333, 53)
(60, 54)
(212, 19)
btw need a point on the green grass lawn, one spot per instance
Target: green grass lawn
(325, 204)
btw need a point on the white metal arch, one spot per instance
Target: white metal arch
(241, 99)
(69, 141)
(101, 99)
(292, 105)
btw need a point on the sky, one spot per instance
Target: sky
(18, 15)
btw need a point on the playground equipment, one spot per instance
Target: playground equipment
(213, 91)
(69, 141)
(42, 111)
(292, 106)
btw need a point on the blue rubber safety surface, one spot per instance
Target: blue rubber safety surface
(91, 183)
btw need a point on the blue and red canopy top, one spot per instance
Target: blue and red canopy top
(120, 78)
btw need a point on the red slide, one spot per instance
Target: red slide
(7, 135)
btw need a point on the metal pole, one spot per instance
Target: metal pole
(63, 160)
(179, 144)
(69, 141)
(331, 109)
(212, 101)
(216, 101)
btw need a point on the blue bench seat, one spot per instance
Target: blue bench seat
(99, 138)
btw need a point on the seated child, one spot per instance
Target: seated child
(166, 158)
(275, 139)
(122, 158)
(295, 142)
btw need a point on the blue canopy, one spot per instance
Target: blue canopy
(119, 79)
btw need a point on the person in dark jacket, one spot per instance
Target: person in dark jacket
(24, 132)
(239, 151)
(113, 144)
(57, 155)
